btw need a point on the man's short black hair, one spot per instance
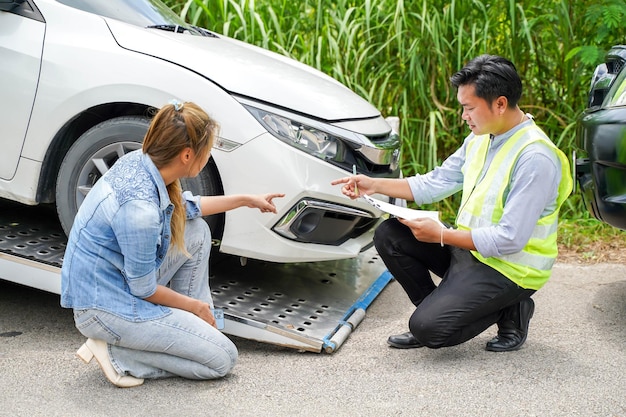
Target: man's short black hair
(492, 77)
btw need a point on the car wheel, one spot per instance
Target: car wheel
(95, 152)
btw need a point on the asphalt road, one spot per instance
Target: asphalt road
(573, 364)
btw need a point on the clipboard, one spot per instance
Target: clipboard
(403, 212)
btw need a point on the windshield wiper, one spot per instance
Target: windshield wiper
(205, 32)
(196, 30)
(169, 28)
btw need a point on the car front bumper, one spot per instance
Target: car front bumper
(314, 221)
(602, 174)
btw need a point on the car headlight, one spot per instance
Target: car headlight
(617, 94)
(374, 155)
(309, 139)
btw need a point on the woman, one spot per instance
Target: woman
(135, 270)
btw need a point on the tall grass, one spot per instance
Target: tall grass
(400, 54)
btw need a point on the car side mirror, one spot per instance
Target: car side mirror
(8, 5)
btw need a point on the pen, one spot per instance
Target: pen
(356, 188)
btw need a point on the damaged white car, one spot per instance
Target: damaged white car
(78, 79)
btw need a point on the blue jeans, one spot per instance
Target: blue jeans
(179, 344)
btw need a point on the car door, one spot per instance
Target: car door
(22, 32)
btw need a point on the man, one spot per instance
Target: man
(513, 181)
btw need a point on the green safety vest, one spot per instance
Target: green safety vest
(482, 205)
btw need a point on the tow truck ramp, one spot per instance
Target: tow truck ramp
(310, 306)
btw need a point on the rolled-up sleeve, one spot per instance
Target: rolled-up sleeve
(441, 182)
(192, 204)
(138, 227)
(533, 192)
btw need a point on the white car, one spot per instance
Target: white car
(79, 80)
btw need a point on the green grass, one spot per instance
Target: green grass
(400, 54)
(576, 234)
(591, 240)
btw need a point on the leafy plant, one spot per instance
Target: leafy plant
(399, 55)
(606, 20)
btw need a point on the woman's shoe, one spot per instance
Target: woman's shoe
(98, 348)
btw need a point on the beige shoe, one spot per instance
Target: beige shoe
(98, 348)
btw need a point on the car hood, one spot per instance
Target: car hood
(250, 71)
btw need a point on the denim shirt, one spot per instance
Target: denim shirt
(119, 239)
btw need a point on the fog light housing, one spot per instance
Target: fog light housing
(314, 221)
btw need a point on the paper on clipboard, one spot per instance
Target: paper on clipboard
(403, 212)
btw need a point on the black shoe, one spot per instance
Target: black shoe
(513, 328)
(404, 341)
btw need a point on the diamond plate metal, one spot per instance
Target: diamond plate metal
(307, 300)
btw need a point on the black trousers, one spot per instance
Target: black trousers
(470, 298)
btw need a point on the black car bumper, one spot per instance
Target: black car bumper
(602, 175)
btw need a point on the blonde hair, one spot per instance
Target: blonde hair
(175, 127)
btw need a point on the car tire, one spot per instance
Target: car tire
(98, 149)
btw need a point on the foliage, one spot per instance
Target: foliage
(591, 239)
(607, 17)
(399, 55)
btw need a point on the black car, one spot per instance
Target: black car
(602, 137)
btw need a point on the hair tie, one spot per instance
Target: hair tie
(178, 106)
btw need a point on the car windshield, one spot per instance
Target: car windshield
(142, 13)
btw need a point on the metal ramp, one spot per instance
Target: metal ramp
(312, 306)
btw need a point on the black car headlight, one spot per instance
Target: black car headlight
(617, 94)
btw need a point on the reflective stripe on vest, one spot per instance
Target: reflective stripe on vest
(482, 205)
